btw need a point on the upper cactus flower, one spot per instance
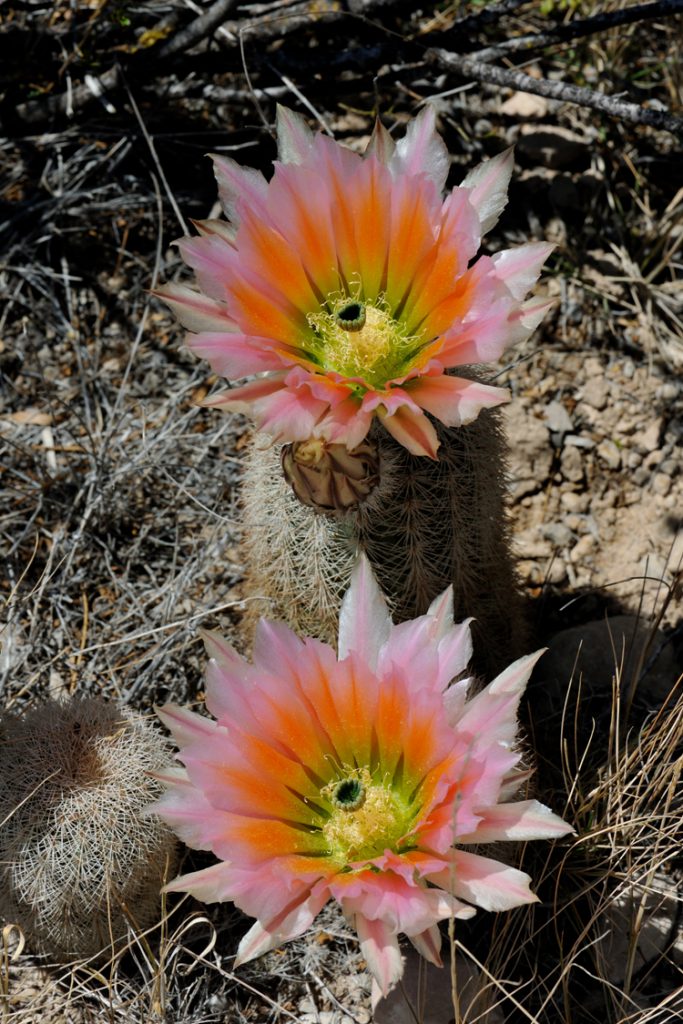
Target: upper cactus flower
(349, 282)
(360, 779)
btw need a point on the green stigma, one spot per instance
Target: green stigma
(351, 317)
(348, 795)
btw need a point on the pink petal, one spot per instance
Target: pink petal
(453, 400)
(524, 321)
(525, 820)
(184, 725)
(489, 184)
(428, 945)
(289, 413)
(186, 810)
(379, 946)
(347, 422)
(210, 885)
(235, 355)
(485, 882)
(277, 649)
(220, 649)
(381, 144)
(221, 228)
(210, 258)
(412, 430)
(195, 310)
(286, 923)
(422, 150)
(294, 137)
(237, 185)
(364, 620)
(519, 268)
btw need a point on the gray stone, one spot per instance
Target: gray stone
(596, 649)
(609, 453)
(557, 418)
(596, 393)
(425, 994)
(531, 455)
(572, 465)
(559, 535)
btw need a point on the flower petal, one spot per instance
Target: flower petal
(485, 882)
(195, 310)
(238, 186)
(235, 355)
(422, 150)
(364, 620)
(527, 819)
(411, 429)
(379, 946)
(290, 921)
(519, 268)
(453, 400)
(294, 137)
(489, 185)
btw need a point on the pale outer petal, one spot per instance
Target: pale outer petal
(521, 821)
(520, 268)
(294, 137)
(489, 184)
(364, 620)
(195, 311)
(485, 882)
(379, 946)
(288, 922)
(422, 150)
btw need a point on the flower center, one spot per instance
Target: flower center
(366, 817)
(362, 339)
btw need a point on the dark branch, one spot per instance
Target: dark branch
(198, 29)
(579, 29)
(469, 67)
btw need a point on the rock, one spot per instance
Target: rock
(558, 421)
(552, 146)
(425, 995)
(582, 549)
(559, 535)
(530, 452)
(574, 502)
(579, 441)
(649, 912)
(531, 544)
(596, 649)
(571, 464)
(609, 453)
(653, 459)
(556, 572)
(596, 393)
(661, 483)
(524, 105)
(646, 441)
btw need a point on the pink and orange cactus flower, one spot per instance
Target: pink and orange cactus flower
(360, 779)
(349, 287)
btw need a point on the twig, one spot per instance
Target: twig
(71, 100)
(468, 67)
(198, 29)
(578, 29)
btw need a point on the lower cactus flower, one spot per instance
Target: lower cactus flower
(361, 778)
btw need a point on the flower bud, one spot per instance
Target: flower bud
(331, 477)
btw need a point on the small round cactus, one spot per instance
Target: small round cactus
(79, 863)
